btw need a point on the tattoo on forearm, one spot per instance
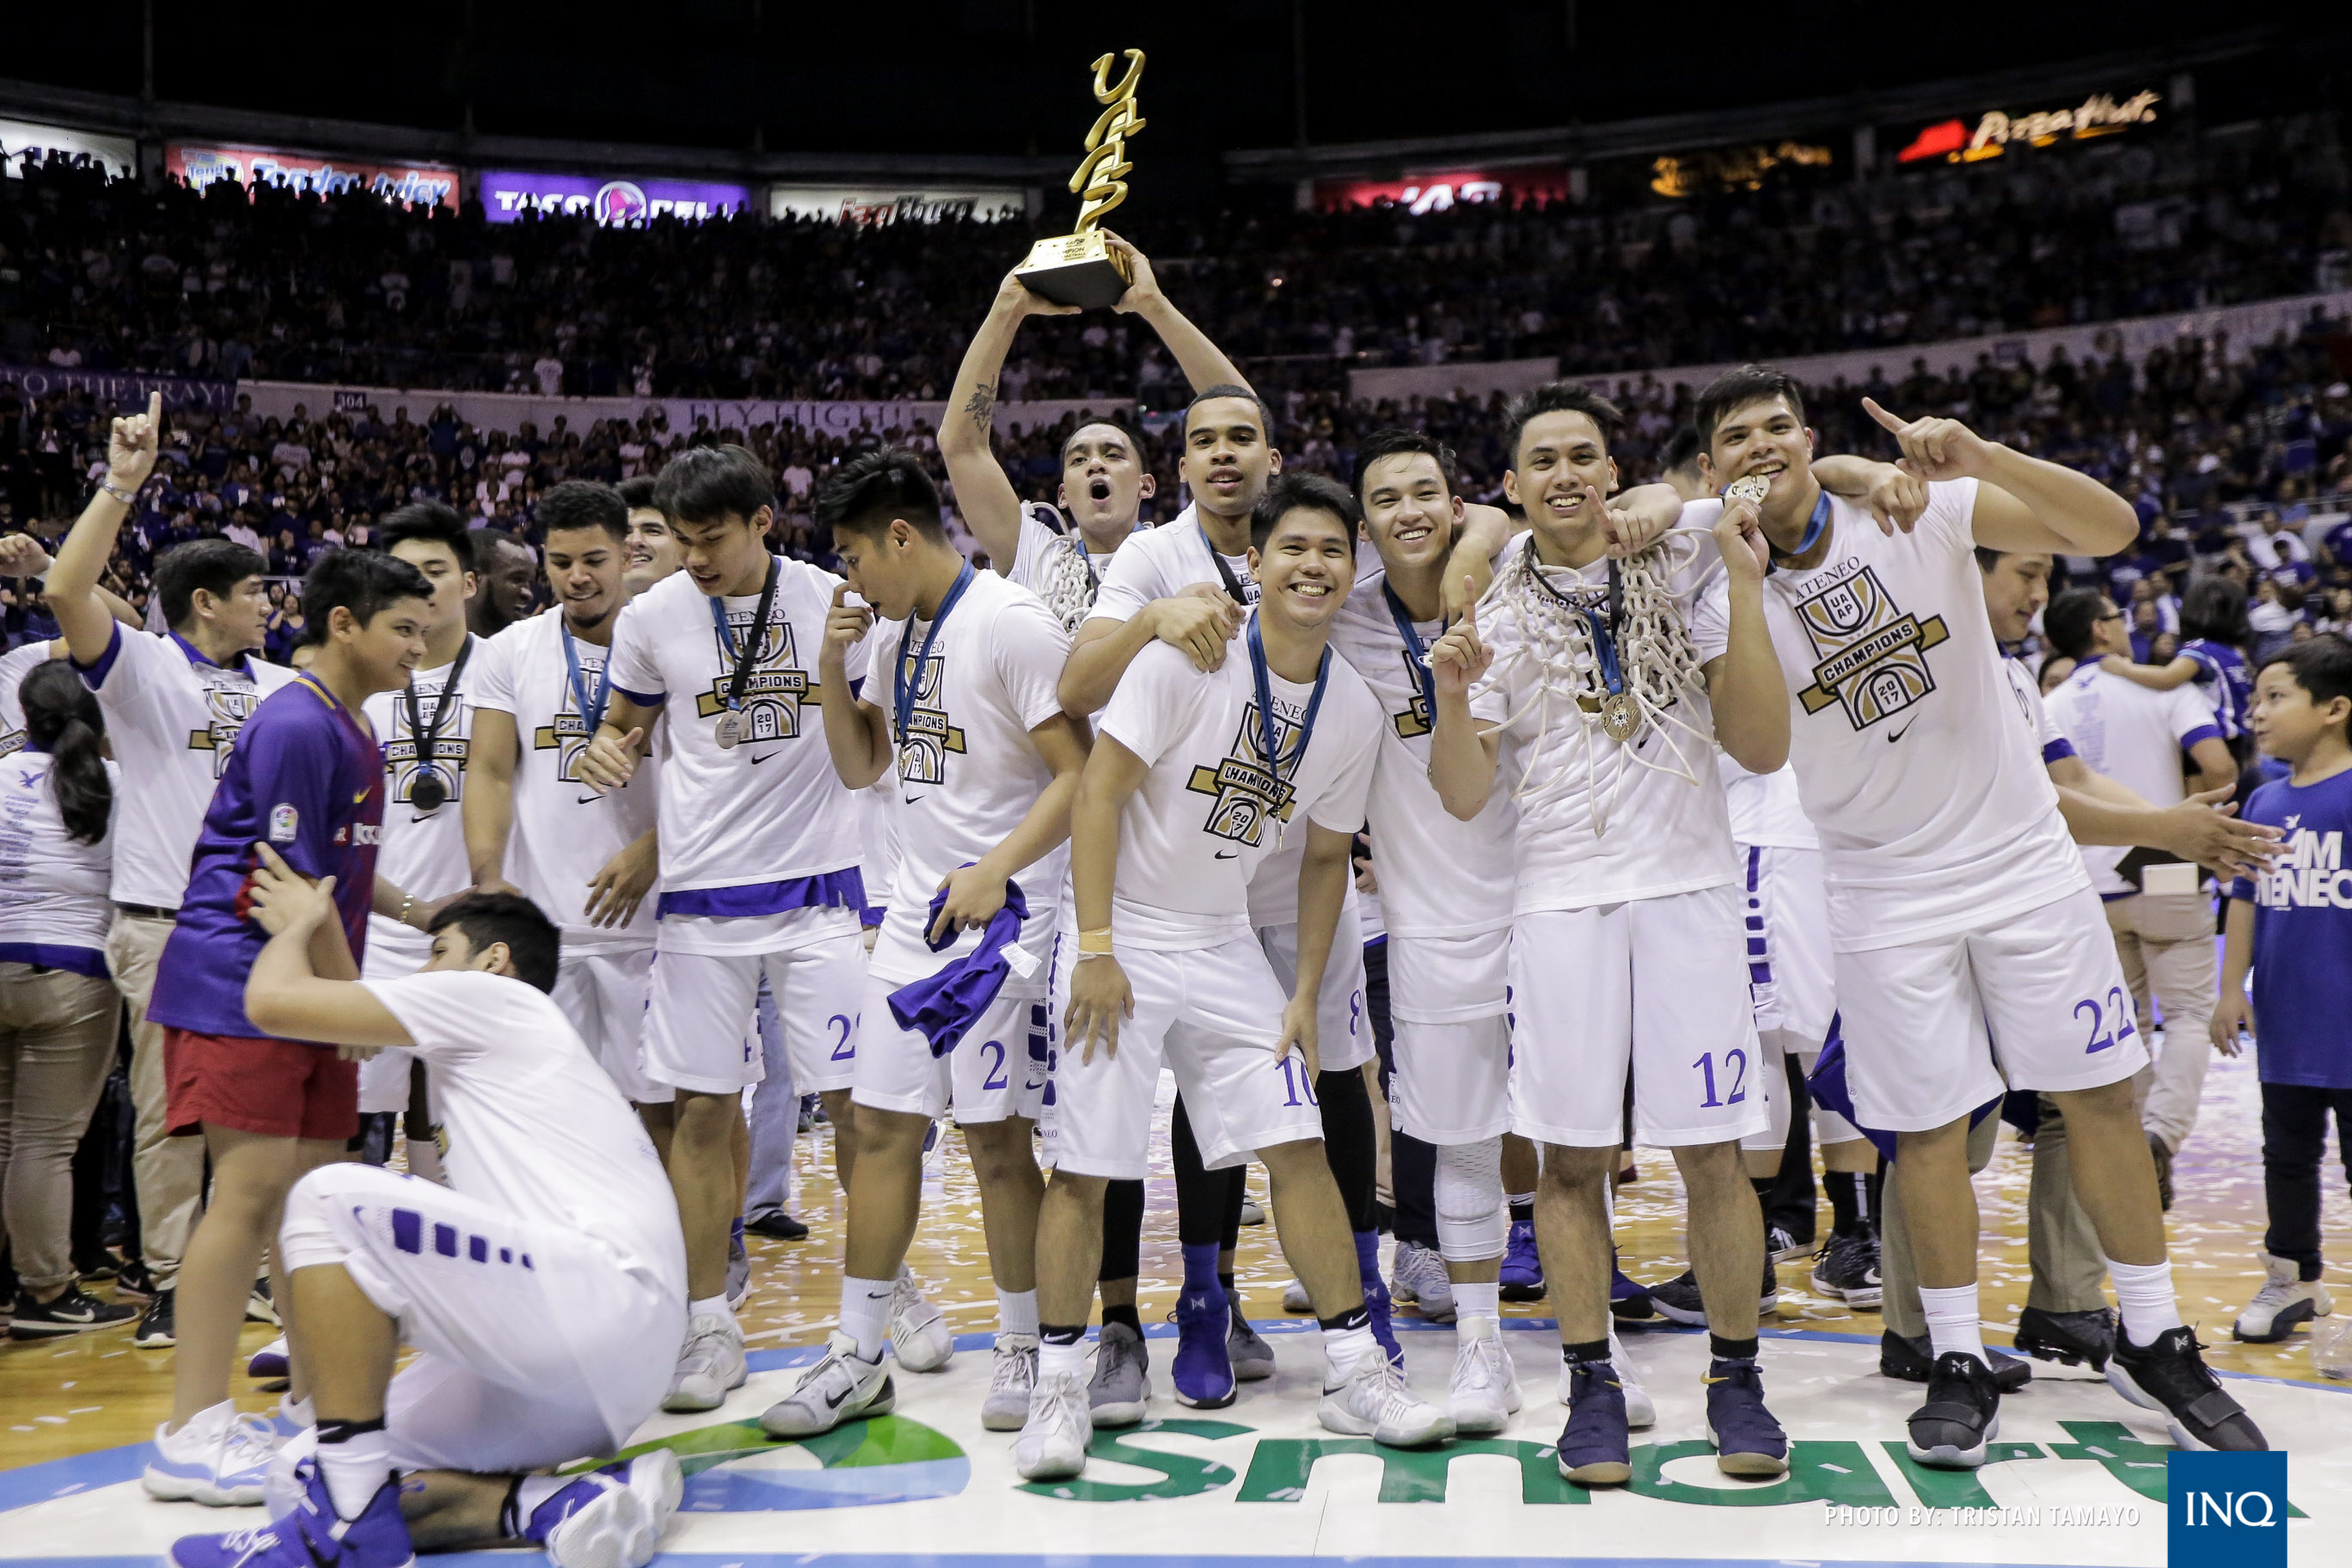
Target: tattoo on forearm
(982, 405)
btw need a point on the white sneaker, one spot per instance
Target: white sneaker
(1006, 1408)
(710, 1363)
(1372, 1401)
(218, 1458)
(1640, 1410)
(621, 1527)
(1053, 1442)
(1419, 1275)
(919, 1335)
(1294, 1298)
(841, 1387)
(1486, 1390)
(2284, 1302)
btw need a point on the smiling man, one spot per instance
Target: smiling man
(507, 570)
(652, 547)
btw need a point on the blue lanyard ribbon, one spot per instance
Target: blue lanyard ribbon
(1604, 632)
(1814, 527)
(591, 713)
(1416, 652)
(1269, 727)
(903, 691)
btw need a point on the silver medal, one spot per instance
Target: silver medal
(1620, 715)
(1749, 487)
(729, 733)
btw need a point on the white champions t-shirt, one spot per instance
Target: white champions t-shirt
(423, 852)
(52, 888)
(2040, 727)
(965, 771)
(1160, 563)
(564, 832)
(14, 665)
(1766, 813)
(772, 809)
(1600, 822)
(2135, 736)
(1438, 876)
(1935, 814)
(1051, 562)
(1207, 814)
(173, 717)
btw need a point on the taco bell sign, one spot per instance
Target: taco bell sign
(507, 196)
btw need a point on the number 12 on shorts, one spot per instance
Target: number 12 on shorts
(1735, 1063)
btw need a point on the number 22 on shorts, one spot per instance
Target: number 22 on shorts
(2111, 1025)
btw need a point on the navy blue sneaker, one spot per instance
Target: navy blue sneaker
(1747, 1441)
(1203, 1369)
(1629, 1299)
(311, 1536)
(1522, 1278)
(1376, 1303)
(1596, 1448)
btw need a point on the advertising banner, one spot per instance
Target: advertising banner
(1996, 130)
(19, 137)
(201, 165)
(1421, 194)
(508, 194)
(871, 204)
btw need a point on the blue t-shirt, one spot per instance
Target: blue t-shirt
(307, 777)
(2224, 681)
(2303, 936)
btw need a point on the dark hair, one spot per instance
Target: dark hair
(1289, 492)
(1681, 450)
(637, 492)
(534, 944)
(2215, 609)
(1736, 389)
(1394, 443)
(361, 581)
(583, 503)
(2322, 665)
(2069, 619)
(710, 484)
(431, 521)
(1558, 397)
(1127, 433)
(1233, 389)
(62, 718)
(867, 492)
(215, 565)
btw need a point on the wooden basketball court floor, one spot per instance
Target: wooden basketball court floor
(2081, 1480)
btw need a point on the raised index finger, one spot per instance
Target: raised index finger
(1886, 421)
(155, 411)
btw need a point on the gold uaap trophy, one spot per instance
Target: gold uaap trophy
(1080, 269)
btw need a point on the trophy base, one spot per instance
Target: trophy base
(1078, 269)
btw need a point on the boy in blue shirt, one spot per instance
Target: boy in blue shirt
(2293, 927)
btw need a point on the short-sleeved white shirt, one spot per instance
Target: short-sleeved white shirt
(1598, 822)
(564, 832)
(1162, 563)
(771, 809)
(1194, 832)
(2135, 736)
(2043, 730)
(52, 888)
(1051, 562)
(423, 852)
(966, 772)
(1934, 813)
(173, 717)
(1766, 813)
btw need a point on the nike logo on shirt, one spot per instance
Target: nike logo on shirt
(1899, 734)
(1227, 854)
(757, 761)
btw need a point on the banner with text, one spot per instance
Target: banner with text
(250, 167)
(508, 194)
(127, 391)
(19, 137)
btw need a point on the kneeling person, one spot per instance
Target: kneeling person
(543, 1288)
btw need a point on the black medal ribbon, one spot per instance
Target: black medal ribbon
(1224, 573)
(747, 653)
(427, 792)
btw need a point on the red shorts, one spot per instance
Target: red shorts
(276, 1088)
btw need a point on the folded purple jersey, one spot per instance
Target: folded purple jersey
(1829, 1090)
(947, 1005)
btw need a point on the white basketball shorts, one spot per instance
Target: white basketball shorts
(997, 1071)
(602, 991)
(701, 1026)
(1343, 1035)
(1446, 1001)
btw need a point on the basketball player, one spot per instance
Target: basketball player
(538, 692)
(758, 861)
(174, 707)
(506, 569)
(1627, 954)
(307, 777)
(540, 1288)
(425, 731)
(1246, 758)
(653, 548)
(1968, 943)
(984, 764)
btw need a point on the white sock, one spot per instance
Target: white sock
(1016, 1312)
(2143, 1293)
(1952, 1323)
(1476, 1301)
(711, 1307)
(1345, 1347)
(353, 1470)
(1062, 1361)
(866, 1314)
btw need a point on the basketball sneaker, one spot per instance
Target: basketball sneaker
(1747, 1440)
(1961, 1415)
(1780, 1246)
(1847, 1269)
(1679, 1299)
(1484, 1394)
(71, 1311)
(1640, 1410)
(1010, 1380)
(611, 1518)
(2285, 1301)
(1370, 1400)
(739, 1272)
(311, 1536)
(1295, 1299)
(710, 1363)
(1053, 1442)
(1595, 1448)
(1121, 1394)
(1204, 1369)
(1629, 1299)
(841, 1387)
(918, 1334)
(2171, 1376)
(2070, 1338)
(1247, 1349)
(1522, 1278)
(271, 1360)
(1914, 1361)
(218, 1457)
(1418, 1276)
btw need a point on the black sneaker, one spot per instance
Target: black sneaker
(1782, 1244)
(2170, 1375)
(2069, 1339)
(155, 1324)
(135, 1283)
(1912, 1361)
(96, 1266)
(777, 1227)
(1594, 1448)
(1847, 1269)
(71, 1312)
(1678, 1297)
(1961, 1415)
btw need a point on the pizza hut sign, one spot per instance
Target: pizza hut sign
(1996, 130)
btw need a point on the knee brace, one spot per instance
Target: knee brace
(1472, 1223)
